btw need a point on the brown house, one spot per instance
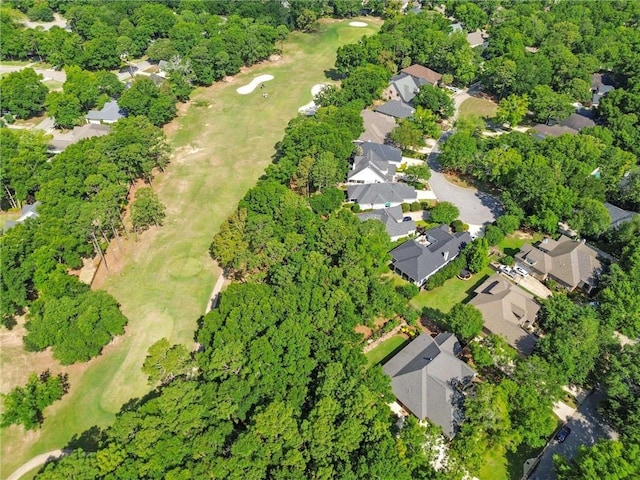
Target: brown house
(573, 264)
(419, 72)
(507, 310)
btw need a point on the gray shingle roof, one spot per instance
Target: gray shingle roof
(554, 130)
(392, 220)
(505, 309)
(406, 87)
(382, 152)
(419, 259)
(375, 193)
(396, 108)
(619, 215)
(577, 122)
(110, 112)
(384, 170)
(423, 375)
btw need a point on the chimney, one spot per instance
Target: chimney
(446, 255)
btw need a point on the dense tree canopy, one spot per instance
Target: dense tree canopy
(23, 93)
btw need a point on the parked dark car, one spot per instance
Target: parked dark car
(563, 433)
(407, 219)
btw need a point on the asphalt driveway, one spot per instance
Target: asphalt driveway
(476, 208)
(587, 427)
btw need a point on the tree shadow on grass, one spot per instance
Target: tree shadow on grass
(333, 74)
(511, 251)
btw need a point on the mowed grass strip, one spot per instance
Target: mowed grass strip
(385, 350)
(453, 291)
(478, 106)
(222, 145)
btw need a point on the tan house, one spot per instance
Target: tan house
(425, 74)
(507, 310)
(573, 264)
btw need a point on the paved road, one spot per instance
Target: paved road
(476, 208)
(587, 427)
(36, 462)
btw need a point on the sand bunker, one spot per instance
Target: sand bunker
(357, 24)
(250, 87)
(310, 108)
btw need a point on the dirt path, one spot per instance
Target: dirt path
(36, 462)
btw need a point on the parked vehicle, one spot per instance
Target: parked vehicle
(563, 433)
(521, 271)
(407, 219)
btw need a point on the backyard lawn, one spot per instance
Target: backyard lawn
(453, 291)
(511, 244)
(499, 464)
(385, 349)
(478, 106)
(222, 144)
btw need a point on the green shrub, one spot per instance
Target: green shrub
(459, 226)
(508, 260)
(405, 207)
(415, 207)
(493, 234)
(355, 208)
(327, 202)
(408, 291)
(10, 119)
(444, 212)
(508, 223)
(449, 271)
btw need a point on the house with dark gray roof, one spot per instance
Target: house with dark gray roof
(392, 218)
(573, 264)
(416, 260)
(601, 85)
(619, 215)
(577, 121)
(376, 126)
(403, 87)
(381, 195)
(110, 113)
(507, 310)
(396, 109)
(377, 164)
(428, 379)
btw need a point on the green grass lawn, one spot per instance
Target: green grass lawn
(385, 349)
(453, 291)
(511, 244)
(478, 106)
(499, 464)
(221, 149)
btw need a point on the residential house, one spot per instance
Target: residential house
(163, 68)
(403, 88)
(578, 121)
(477, 39)
(416, 260)
(428, 379)
(396, 109)
(601, 85)
(381, 195)
(507, 310)
(393, 220)
(61, 141)
(376, 126)
(619, 215)
(377, 164)
(573, 264)
(422, 75)
(570, 125)
(110, 113)
(28, 211)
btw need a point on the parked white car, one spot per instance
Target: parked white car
(521, 271)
